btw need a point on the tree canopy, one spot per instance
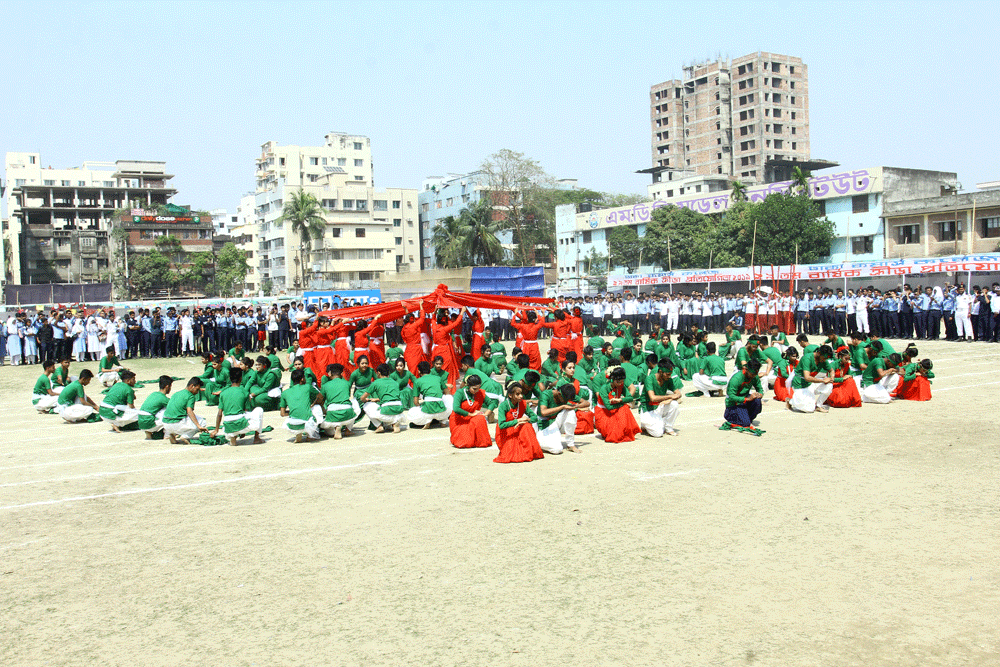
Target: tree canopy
(691, 239)
(625, 247)
(231, 269)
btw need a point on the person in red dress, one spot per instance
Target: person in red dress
(322, 352)
(467, 421)
(373, 339)
(528, 330)
(561, 329)
(783, 383)
(845, 393)
(342, 345)
(478, 327)
(576, 332)
(612, 413)
(307, 342)
(441, 332)
(516, 437)
(915, 385)
(410, 332)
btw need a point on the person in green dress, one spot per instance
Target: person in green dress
(43, 398)
(179, 420)
(151, 413)
(381, 401)
(659, 402)
(687, 354)
(733, 341)
(61, 376)
(492, 389)
(361, 378)
(300, 363)
(118, 406)
(430, 404)
(405, 380)
(295, 406)
(266, 393)
(550, 369)
(812, 381)
(233, 417)
(74, 405)
(711, 380)
(109, 367)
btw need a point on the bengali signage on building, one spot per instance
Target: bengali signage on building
(807, 272)
(166, 218)
(845, 184)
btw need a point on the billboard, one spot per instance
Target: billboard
(348, 297)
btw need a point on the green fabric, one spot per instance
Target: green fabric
(713, 366)
(386, 390)
(809, 364)
(107, 363)
(337, 391)
(233, 401)
(60, 376)
(298, 400)
(119, 394)
(507, 410)
(652, 384)
(428, 386)
(361, 381)
(208, 440)
(744, 429)
(870, 375)
(43, 385)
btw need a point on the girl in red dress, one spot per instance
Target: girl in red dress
(323, 352)
(342, 345)
(561, 329)
(576, 332)
(584, 414)
(441, 333)
(528, 331)
(372, 338)
(478, 327)
(467, 422)
(515, 429)
(915, 385)
(845, 394)
(783, 383)
(612, 414)
(410, 332)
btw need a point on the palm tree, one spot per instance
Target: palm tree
(800, 182)
(449, 242)
(305, 215)
(479, 231)
(739, 192)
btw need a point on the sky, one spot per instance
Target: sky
(439, 86)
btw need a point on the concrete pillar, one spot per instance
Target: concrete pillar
(927, 236)
(969, 231)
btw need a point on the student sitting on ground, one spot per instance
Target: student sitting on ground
(43, 398)
(180, 422)
(516, 437)
(109, 367)
(296, 406)
(153, 408)
(233, 416)
(118, 407)
(429, 401)
(73, 404)
(336, 409)
(467, 422)
(382, 403)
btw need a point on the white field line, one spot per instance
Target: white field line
(187, 448)
(22, 544)
(646, 478)
(230, 480)
(966, 386)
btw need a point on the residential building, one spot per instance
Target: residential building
(855, 201)
(745, 119)
(223, 220)
(443, 196)
(244, 236)
(59, 218)
(368, 231)
(953, 223)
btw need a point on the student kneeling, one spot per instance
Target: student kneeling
(73, 404)
(233, 416)
(118, 407)
(382, 403)
(296, 406)
(179, 420)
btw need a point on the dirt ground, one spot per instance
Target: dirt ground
(867, 536)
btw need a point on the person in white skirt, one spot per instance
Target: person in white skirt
(43, 398)
(337, 409)
(73, 404)
(118, 405)
(812, 382)
(382, 401)
(179, 420)
(881, 375)
(154, 407)
(296, 407)
(430, 403)
(108, 370)
(711, 378)
(556, 427)
(660, 401)
(233, 417)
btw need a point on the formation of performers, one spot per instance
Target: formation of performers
(342, 372)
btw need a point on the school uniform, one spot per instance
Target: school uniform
(115, 406)
(298, 401)
(807, 396)
(70, 405)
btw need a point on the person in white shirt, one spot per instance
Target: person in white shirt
(750, 313)
(963, 310)
(861, 302)
(187, 333)
(598, 319)
(630, 311)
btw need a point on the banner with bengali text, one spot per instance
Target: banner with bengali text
(807, 272)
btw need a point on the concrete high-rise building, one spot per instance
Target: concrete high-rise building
(59, 218)
(368, 231)
(745, 119)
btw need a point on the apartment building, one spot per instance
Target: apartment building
(368, 231)
(745, 119)
(443, 196)
(59, 219)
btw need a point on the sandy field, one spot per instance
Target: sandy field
(863, 537)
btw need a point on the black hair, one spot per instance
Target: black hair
(553, 353)
(467, 360)
(651, 358)
(825, 351)
(588, 349)
(512, 385)
(532, 377)
(383, 370)
(710, 347)
(568, 392)
(423, 368)
(523, 360)
(665, 365)
(802, 337)
(86, 373)
(626, 354)
(48, 363)
(617, 374)
(165, 381)
(235, 375)
(753, 365)
(195, 382)
(360, 357)
(789, 352)
(298, 376)
(264, 361)
(484, 348)
(926, 364)
(473, 381)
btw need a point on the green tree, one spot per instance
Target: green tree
(198, 270)
(479, 233)
(151, 271)
(514, 183)
(231, 269)
(800, 182)
(625, 247)
(739, 191)
(597, 270)
(449, 243)
(613, 200)
(304, 213)
(782, 221)
(691, 238)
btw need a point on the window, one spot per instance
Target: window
(335, 232)
(859, 204)
(359, 232)
(109, 184)
(791, 69)
(450, 201)
(586, 237)
(359, 163)
(750, 98)
(777, 113)
(281, 162)
(908, 234)
(396, 203)
(65, 184)
(20, 181)
(793, 115)
(791, 85)
(88, 263)
(330, 203)
(793, 100)
(348, 204)
(324, 162)
(380, 205)
(358, 146)
(342, 162)
(775, 67)
(312, 178)
(776, 98)
(361, 205)
(48, 183)
(793, 130)
(778, 143)
(862, 245)
(397, 222)
(399, 240)
(949, 230)
(81, 183)
(359, 178)
(314, 161)
(991, 227)
(87, 241)
(31, 159)
(794, 145)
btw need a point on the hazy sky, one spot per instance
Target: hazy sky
(439, 85)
